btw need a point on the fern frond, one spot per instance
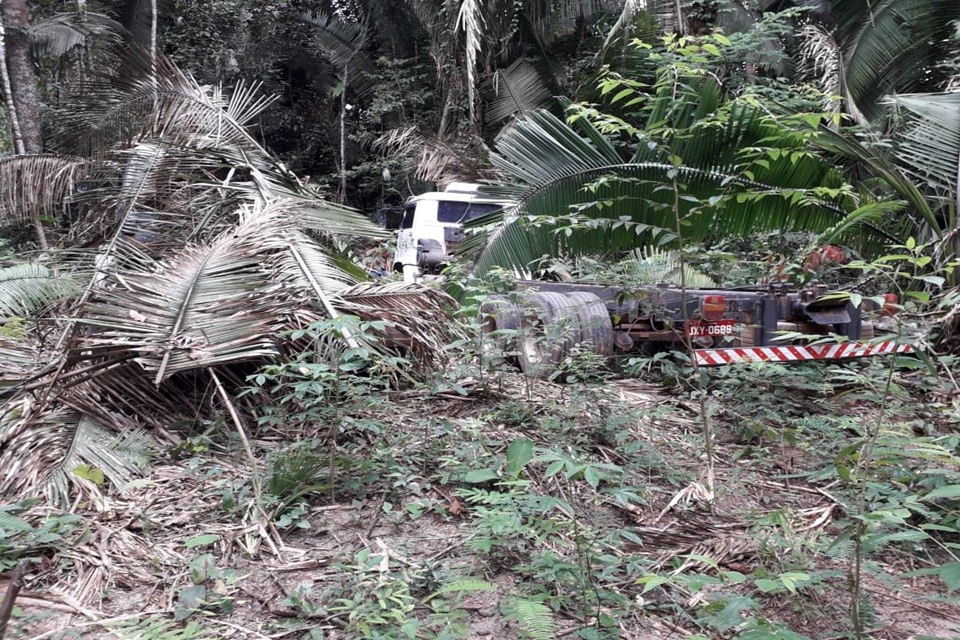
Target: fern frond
(466, 584)
(535, 618)
(650, 265)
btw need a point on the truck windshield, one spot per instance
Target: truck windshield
(407, 221)
(462, 211)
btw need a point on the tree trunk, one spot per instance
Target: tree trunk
(20, 84)
(343, 135)
(681, 24)
(8, 95)
(23, 81)
(153, 47)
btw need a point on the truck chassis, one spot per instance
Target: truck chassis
(542, 321)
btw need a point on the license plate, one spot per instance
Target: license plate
(708, 329)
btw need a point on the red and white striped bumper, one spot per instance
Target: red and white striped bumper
(793, 353)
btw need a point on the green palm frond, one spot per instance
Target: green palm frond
(889, 46)
(929, 146)
(547, 165)
(342, 42)
(465, 585)
(515, 90)
(651, 265)
(294, 472)
(535, 618)
(879, 164)
(30, 289)
(156, 626)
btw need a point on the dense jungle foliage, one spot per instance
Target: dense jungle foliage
(223, 417)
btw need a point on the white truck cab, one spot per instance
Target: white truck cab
(430, 227)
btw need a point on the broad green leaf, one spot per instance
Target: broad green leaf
(199, 541)
(950, 574)
(91, 473)
(591, 476)
(651, 582)
(189, 599)
(519, 454)
(949, 491)
(480, 475)
(934, 280)
(766, 585)
(202, 568)
(872, 542)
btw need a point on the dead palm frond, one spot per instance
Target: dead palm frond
(470, 20)
(821, 60)
(20, 357)
(201, 250)
(46, 453)
(34, 188)
(660, 13)
(194, 312)
(162, 105)
(438, 160)
(140, 331)
(418, 316)
(61, 33)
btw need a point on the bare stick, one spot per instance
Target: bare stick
(237, 422)
(6, 607)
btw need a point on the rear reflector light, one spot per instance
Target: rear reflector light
(891, 304)
(713, 307)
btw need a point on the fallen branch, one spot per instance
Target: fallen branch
(13, 590)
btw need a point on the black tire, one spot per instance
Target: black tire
(596, 329)
(549, 326)
(499, 323)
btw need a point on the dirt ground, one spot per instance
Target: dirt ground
(132, 562)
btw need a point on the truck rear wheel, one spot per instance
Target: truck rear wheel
(499, 323)
(549, 326)
(596, 329)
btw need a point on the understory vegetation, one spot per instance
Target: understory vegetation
(810, 500)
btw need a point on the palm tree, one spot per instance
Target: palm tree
(866, 50)
(919, 164)
(719, 166)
